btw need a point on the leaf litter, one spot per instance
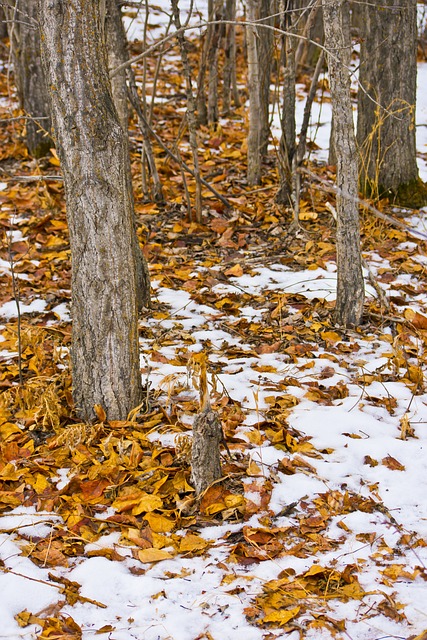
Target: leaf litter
(319, 527)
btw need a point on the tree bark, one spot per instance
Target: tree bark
(350, 285)
(116, 42)
(191, 108)
(94, 158)
(230, 80)
(265, 54)
(387, 96)
(254, 86)
(29, 78)
(287, 144)
(205, 459)
(3, 24)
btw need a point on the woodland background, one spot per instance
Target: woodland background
(318, 527)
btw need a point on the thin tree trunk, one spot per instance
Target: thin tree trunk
(213, 54)
(191, 109)
(265, 54)
(288, 138)
(95, 162)
(117, 51)
(29, 78)
(229, 79)
(3, 24)
(350, 286)
(254, 85)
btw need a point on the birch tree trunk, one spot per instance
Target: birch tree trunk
(95, 162)
(350, 286)
(29, 78)
(254, 85)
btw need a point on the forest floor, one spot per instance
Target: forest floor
(320, 529)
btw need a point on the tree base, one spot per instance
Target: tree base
(412, 194)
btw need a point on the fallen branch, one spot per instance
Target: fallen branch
(328, 188)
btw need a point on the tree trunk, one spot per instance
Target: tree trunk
(213, 55)
(191, 108)
(3, 24)
(29, 78)
(265, 54)
(95, 162)
(116, 41)
(230, 80)
(307, 52)
(386, 103)
(254, 86)
(350, 286)
(287, 144)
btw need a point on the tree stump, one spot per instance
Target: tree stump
(205, 458)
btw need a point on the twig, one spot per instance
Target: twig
(328, 188)
(180, 162)
(240, 23)
(15, 293)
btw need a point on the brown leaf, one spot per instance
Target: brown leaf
(418, 320)
(393, 464)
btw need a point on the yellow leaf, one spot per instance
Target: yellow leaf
(8, 429)
(308, 215)
(137, 502)
(153, 555)
(314, 570)
(253, 469)
(232, 501)
(39, 483)
(331, 336)
(255, 437)
(215, 507)
(23, 618)
(193, 543)
(282, 616)
(147, 503)
(100, 412)
(159, 523)
(236, 271)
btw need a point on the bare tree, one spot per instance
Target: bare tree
(254, 85)
(93, 150)
(3, 24)
(386, 103)
(191, 107)
(29, 78)
(350, 286)
(230, 77)
(265, 54)
(117, 52)
(287, 144)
